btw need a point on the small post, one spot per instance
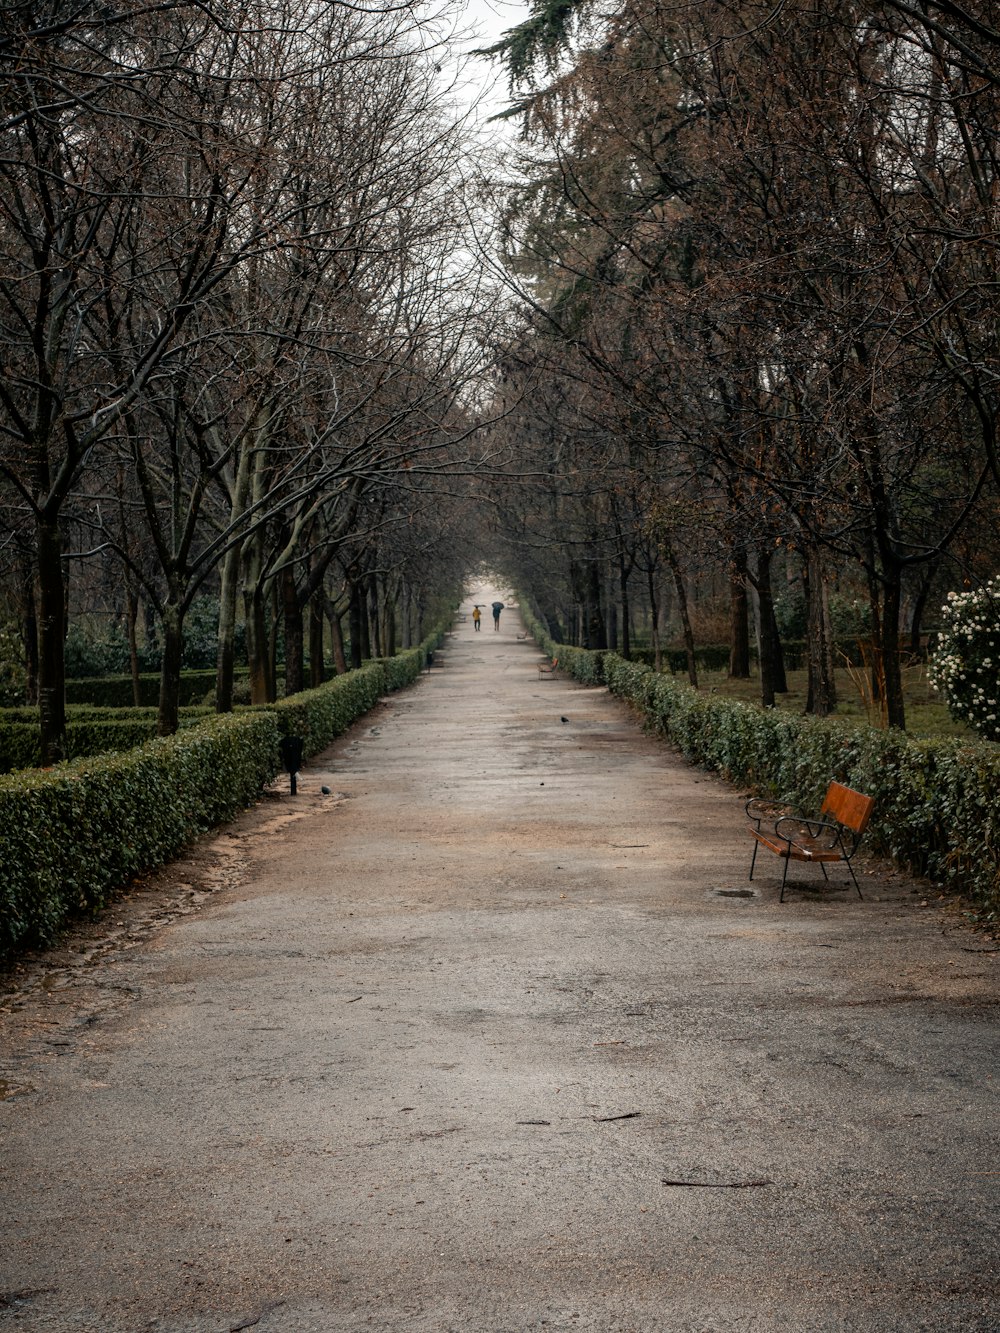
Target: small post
(291, 748)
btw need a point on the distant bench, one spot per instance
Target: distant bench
(546, 668)
(833, 836)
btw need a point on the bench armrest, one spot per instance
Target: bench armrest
(815, 828)
(760, 810)
(826, 832)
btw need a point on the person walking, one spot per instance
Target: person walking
(477, 615)
(497, 608)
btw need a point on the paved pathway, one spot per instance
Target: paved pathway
(481, 1042)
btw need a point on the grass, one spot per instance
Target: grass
(926, 714)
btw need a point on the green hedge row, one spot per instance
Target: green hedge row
(711, 657)
(86, 735)
(72, 834)
(116, 691)
(715, 657)
(104, 713)
(937, 801)
(320, 715)
(405, 667)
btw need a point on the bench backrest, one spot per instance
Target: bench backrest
(848, 807)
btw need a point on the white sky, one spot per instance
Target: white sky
(488, 19)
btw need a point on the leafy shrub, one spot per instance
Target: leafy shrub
(320, 715)
(201, 635)
(116, 691)
(965, 663)
(72, 834)
(87, 655)
(405, 667)
(88, 732)
(107, 653)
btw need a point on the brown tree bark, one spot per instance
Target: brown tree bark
(51, 634)
(739, 619)
(822, 689)
(172, 624)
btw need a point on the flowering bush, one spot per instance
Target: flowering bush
(965, 664)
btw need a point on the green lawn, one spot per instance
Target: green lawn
(926, 714)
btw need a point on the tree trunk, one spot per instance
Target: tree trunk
(355, 623)
(654, 620)
(369, 619)
(255, 618)
(739, 619)
(257, 644)
(406, 638)
(595, 630)
(336, 639)
(682, 608)
(625, 610)
(767, 639)
(917, 618)
(317, 666)
(822, 691)
(168, 715)
(131, 617)
(30, 631)
(892, 672)
(389, 645)
(294, 638)
(225, 665)
(371, 628)
(51, 642)
(273, 635)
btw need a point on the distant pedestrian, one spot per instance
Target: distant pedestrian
(477, 615)
(497, 608)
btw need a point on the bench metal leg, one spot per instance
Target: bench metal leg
(784, 876)
(753, 859)
(855, 878)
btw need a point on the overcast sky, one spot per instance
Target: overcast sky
(489, 18)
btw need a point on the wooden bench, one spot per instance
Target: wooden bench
(834, 835)
(546, 668)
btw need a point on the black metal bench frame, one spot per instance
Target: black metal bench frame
(834, 836)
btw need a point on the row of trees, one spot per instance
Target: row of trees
(240, 324)
(756, 250)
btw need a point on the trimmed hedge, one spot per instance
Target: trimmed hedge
(320, 715)
(73, 834)
(86, 734)
(937, 801)
(101, 713)
(405, 667)
(116, 691)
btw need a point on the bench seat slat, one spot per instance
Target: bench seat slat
(797, 851)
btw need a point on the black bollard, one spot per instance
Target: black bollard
(291, 756)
